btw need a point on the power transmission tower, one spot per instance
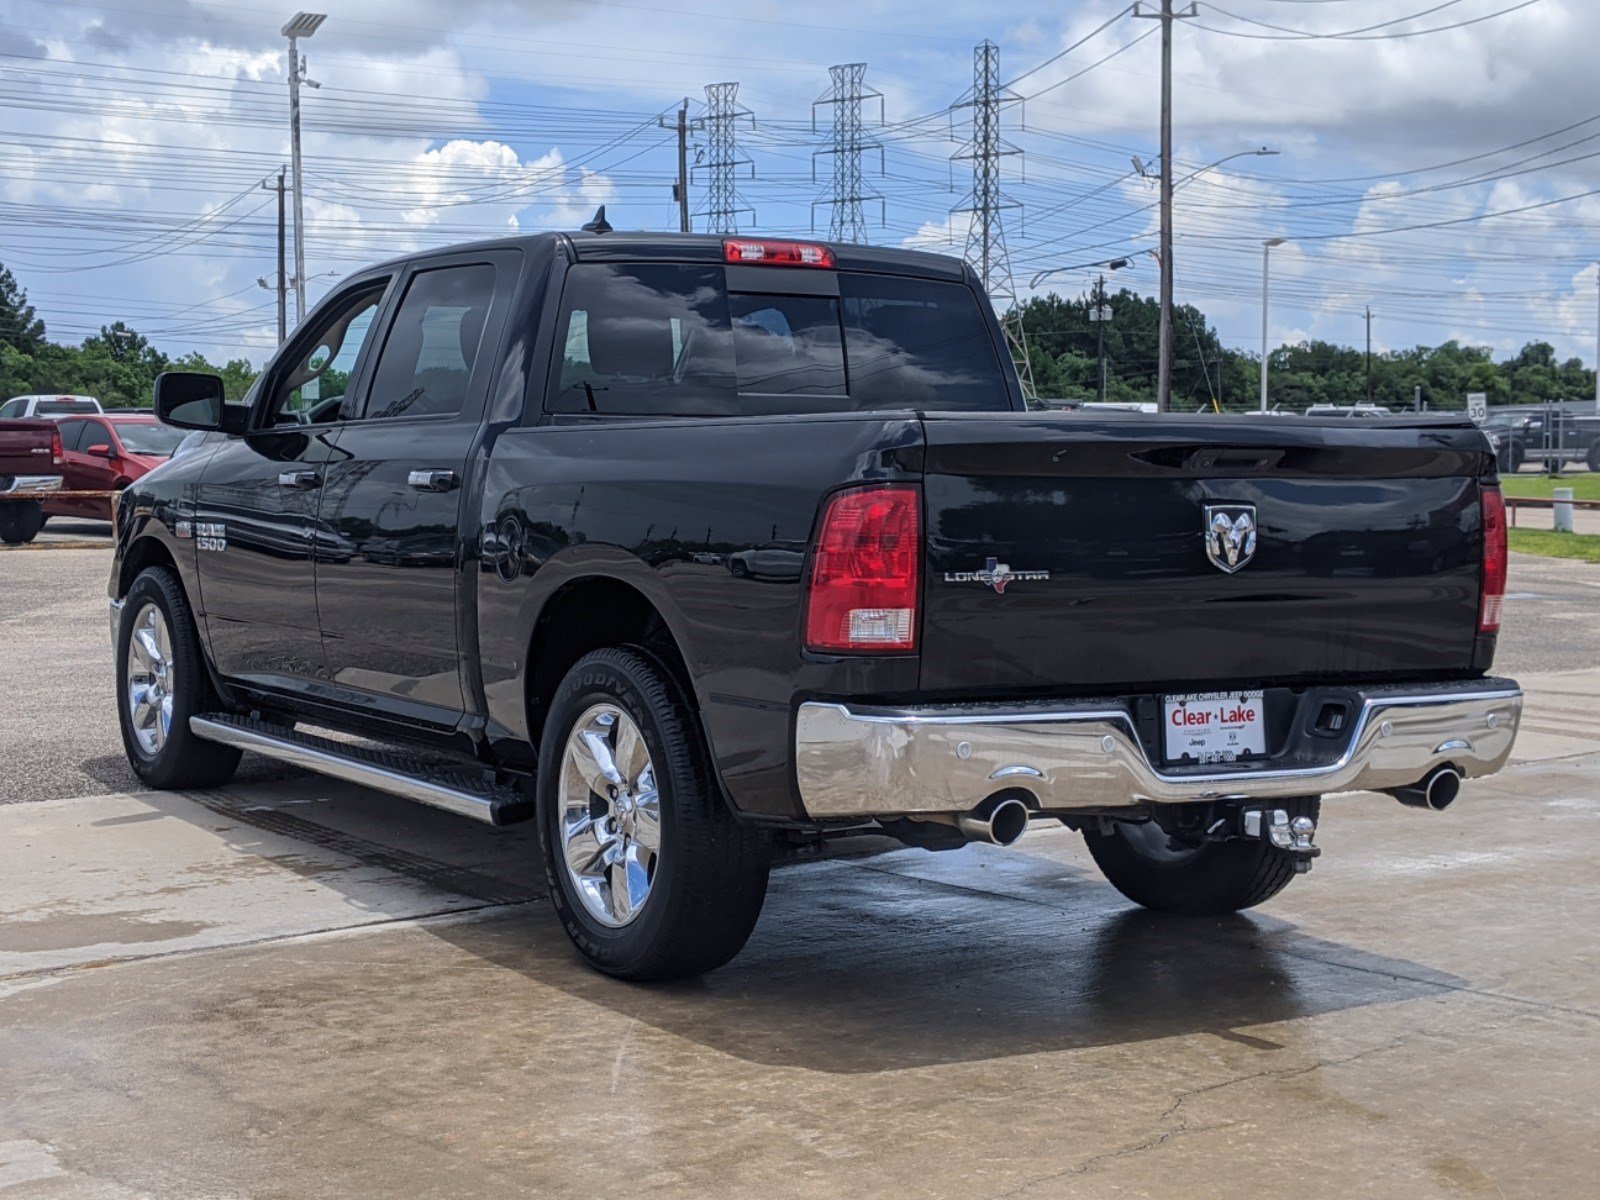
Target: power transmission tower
(986, 238)
(724, 204)
(846, 200)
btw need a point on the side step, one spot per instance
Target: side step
(461, 791)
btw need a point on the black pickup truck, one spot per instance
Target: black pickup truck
(702, 552)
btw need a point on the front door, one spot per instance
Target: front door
(392, 500)
(254, 522)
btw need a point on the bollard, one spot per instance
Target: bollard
(1562, 509)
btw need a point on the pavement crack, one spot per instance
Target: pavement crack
(438, 915)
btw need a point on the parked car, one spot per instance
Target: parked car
(1352, 412)
(30, 465)
(1549, 438)
(469, 511)
(48, 406)
(106, 454)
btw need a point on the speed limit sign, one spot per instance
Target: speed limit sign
(1478, 406)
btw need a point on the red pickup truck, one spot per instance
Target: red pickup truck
(30, 465)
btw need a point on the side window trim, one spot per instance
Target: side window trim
(507, 268)
(300, 341)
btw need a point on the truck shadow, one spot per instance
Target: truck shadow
(857, 969)
(866, 965)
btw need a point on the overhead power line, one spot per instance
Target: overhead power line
(1303, 35)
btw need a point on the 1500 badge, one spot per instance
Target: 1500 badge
(995, 574)
(207, 535)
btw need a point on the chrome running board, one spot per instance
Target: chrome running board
(458, 790)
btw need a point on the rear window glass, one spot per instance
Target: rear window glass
(58, 408)
(669, 339)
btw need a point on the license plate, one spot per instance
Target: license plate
(1213, 727)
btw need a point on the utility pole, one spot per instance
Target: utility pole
(1266, 264)
(723, 114)
(986, 239)
(1369, 354)
(847, 220)
(282, 285)
(680, 190)
(1164, 361)
(1100, 314)
(300, 25)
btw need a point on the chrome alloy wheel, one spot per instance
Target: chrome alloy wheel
(151, 679)
(610, 815)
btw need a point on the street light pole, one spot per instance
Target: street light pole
(1266, 262)
(301, 25)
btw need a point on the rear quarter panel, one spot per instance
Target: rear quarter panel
(665, 506)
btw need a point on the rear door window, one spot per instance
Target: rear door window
(72, 433)
(667, 339)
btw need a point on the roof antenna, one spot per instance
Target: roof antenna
(599, 224)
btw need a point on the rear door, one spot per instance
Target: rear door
(392, 501)
(1070, 553)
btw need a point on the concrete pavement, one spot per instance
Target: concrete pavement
(300, 989)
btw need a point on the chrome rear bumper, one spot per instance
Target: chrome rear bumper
(32, 485)
(858, 761)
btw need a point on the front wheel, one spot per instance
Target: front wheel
(20, 521)
(1143, 863)
(651, 875)
(161, 683)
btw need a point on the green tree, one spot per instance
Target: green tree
(20, 326)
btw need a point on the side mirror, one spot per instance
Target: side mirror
(100, 450)
(194, 400)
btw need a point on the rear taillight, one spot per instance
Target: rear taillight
(771, 253)
(57, 453)
(865, 576)
(1494, 560)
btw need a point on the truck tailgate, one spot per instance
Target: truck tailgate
(26, 447)
(1070, 553)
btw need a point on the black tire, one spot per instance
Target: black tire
(20, 521)
(1210, 880)
(1511, 460)
(1593, 457)
(182, 760)
(709, 877)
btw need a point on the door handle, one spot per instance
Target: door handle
(434, 481)
(300, 481)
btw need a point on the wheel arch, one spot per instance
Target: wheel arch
(142, 554)
(592, 612)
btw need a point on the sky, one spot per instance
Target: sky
(1436, 160)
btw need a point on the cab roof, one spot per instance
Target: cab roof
(624, 246)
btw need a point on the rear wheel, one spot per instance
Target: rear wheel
(1594, 456)
(651, 875)
(1143, 863)
(162, 682)
(20, 521)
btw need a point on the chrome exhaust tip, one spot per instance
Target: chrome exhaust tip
(999, 821)
(1436, 793)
